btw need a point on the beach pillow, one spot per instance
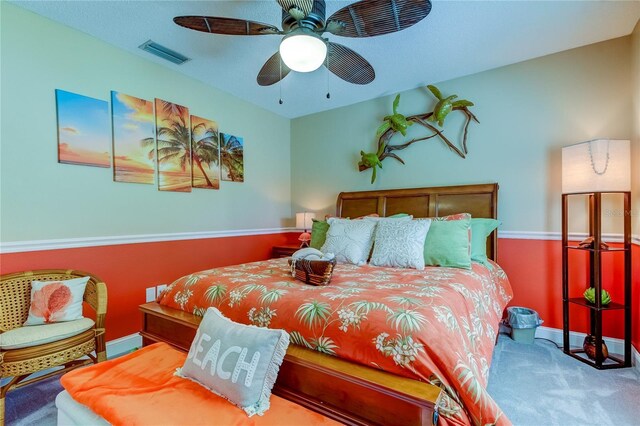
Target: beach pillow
(236, 361)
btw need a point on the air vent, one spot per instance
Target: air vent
(163, 52)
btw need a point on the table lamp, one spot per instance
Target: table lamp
(599, 165)
(304, 221)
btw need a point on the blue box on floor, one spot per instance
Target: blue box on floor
(523, 323)
(524, 335)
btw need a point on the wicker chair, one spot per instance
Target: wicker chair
(19, 364)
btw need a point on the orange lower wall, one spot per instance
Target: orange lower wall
(534, 268)
(129, 269)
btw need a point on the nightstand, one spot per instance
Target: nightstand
(283, 251)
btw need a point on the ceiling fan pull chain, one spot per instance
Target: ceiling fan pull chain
(280, 84)
(327, 67)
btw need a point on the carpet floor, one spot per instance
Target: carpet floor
(33, 404)
(539, 385)
(533, 384)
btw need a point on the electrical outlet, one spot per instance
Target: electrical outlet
(160, 289)
(150, 294)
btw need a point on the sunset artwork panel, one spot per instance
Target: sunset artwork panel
(173, 146)
(84, 132)
(133, 139)
(231, 157)
(205, 153)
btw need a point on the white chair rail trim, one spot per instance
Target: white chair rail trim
(67, 243)
(576, 236)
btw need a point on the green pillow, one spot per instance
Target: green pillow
(480, 231)
(447, 244)
(319, 230)
(397, 215)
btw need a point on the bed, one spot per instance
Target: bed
(379, 345)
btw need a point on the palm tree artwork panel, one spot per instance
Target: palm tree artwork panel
(134, 142)
(173, 142)
(84, 133)
(231, 157)
(205, 153)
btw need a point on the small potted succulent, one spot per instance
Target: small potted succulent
(590, 296)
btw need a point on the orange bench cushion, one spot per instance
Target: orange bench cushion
(140, 389)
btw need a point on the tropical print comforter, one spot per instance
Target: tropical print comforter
(438, 325)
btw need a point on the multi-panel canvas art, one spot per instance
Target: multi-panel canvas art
(145, 136)
(134, 142)
(205, 153)
(231, 158)
(84, 132)
(173, 147)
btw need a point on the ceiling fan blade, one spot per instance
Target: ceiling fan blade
(271, 72)
(348, 65)
(376, 17)
(299, 9)
(229, 26)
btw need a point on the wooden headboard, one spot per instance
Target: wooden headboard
(479, 200)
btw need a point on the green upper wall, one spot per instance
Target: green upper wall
(41, 199)
(527, 112)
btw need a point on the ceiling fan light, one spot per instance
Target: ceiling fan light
(303, 51)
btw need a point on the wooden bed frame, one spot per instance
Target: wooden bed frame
(344, 391)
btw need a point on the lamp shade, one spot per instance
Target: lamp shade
(600, 165)
(303, 50)
(304, 220)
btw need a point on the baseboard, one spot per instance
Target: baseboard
(123, 345)
(614, 344)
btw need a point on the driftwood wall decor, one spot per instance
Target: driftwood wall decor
(431, 121)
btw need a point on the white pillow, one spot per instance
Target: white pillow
(400, 244)
(349, 240)
(378, 219)
(56, 301)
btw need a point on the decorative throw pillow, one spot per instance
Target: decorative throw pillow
(377, 219)
(320, 227)
(400, 243)
(56, 301)
(319, 230)
(457, 216)
(480, 231)
(236, 361)
(448, 242)
(349, 240)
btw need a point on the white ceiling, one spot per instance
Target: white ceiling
(458, 38)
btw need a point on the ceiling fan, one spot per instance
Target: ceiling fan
(303, 48)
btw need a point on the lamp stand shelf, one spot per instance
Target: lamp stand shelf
(596, 248)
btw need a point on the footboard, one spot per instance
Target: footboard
(347, 392)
